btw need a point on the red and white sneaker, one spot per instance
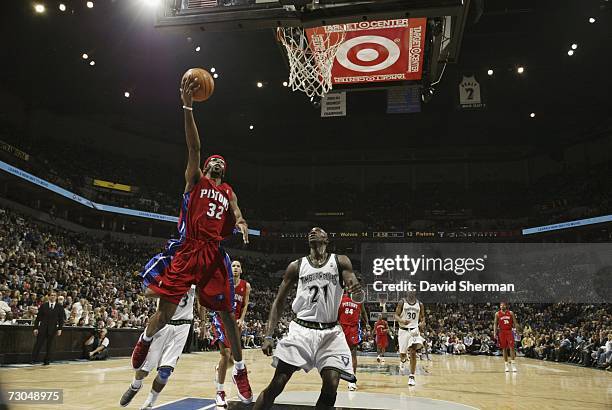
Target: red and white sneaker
(140, 353)
(241, 380)
(220, 399)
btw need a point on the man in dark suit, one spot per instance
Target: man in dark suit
(48, 323)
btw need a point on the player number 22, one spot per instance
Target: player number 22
(212, 208)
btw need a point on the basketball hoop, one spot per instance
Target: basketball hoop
(311, 54)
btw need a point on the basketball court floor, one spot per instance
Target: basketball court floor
(446, 382)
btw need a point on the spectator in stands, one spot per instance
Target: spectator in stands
(4, 319)
(459, 347)
(527, 345)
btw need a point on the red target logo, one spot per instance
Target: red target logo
(368, 54)
(386, 50)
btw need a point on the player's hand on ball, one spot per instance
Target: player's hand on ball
(267, 347)
(188, 86)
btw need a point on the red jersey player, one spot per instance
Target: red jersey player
(382, 338)
(349, 314)
(505, 322)
(242, 290)
(209, 213)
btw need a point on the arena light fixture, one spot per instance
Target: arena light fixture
(92, 63)
(90, 4)
(574, 46)
(198, 48)
(151, 3)
(570, 52)
(215, 75)
(62, 7)
(520, 70)
(126, 94)
(532, 115)
(285, 84)
(592, 20)
(85, 56)
(259, 84)
(490, 72)
(212, 69)
(39, 8)
(251, 127)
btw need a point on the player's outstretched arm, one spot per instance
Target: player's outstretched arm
(398, 312)
(245, 305)
(514, 321)
(193, 173)
(422, 316)
(364, 316)
(348, 276)
(240, 221)
(289, 280)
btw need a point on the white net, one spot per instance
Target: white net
(311, 54)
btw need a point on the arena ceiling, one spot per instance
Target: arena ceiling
(43, 66)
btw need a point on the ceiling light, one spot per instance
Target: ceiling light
(126, 94)
(490, 72)
(62, 7)
(259, 84)
(198, 48)
(151, 3)
(570, 52)
(92, 63)
(574, 46)
(85, 56)
(520, 70)
(90, 4)
(592, 20)
(215, 75)
(212, 70)
(39, 8)
(532, 115)
(285, 84)
(251, 127)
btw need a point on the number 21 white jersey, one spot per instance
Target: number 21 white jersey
(319, 291)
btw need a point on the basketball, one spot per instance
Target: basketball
(207, 84)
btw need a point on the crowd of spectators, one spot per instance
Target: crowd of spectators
(572, 193)
(97, 285)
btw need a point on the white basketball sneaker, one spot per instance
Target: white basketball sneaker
(514, 370)
(506, 367)
(411, 380)
(352, 386)
(382, 360)
(220, 399)
(402, 366)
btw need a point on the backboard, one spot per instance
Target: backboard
(434, 31)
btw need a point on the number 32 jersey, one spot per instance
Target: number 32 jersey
(319, 291)
(209, 216)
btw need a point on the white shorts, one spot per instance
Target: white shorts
(409, 338)
(309, 348)
(166, 347)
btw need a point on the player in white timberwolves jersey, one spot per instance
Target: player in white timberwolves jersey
(315, 339)
(410, 315)
(164, 352)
